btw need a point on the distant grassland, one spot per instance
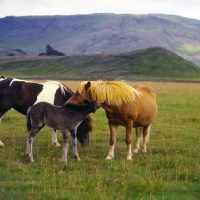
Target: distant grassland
(170, 169)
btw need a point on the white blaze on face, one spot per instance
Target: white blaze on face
(47, 94)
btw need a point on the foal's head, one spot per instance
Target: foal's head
(93, 104)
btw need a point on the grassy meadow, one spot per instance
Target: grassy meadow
(169, 170)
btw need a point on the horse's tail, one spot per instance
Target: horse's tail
(83, 130)
(28, 119)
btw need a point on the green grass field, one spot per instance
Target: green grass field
(170, 170)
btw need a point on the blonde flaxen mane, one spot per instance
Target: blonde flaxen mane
(110, 92)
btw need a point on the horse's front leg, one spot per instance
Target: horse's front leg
(74, 143)
(30, 140)
(54, 139)
(1, 143)
(129, 127)
(138, 134)
(65, 145)
(146, 132)
(113, 132)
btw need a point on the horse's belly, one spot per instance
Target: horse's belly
(145, 119)
(140, 118)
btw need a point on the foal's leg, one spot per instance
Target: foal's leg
(129, 128)
(65, 146)
(54, 139)
(113, 132)
(74, 143)
(30, 140)
(146, 132)
(138, 134)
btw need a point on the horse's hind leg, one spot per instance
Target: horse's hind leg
(74, 143)
(30, 140)
(146, 132)
(138, 134)
(129, 128)
(54, 139)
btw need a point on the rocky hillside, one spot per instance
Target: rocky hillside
(102, 33)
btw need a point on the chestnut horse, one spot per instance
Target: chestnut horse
(124, 105)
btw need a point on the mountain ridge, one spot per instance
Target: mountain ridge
(102, 33)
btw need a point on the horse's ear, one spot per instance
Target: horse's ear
(86, 101)
(87, 86)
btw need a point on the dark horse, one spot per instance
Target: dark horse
(21, 94)
(65, 118)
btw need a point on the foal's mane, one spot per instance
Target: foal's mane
(110, 92)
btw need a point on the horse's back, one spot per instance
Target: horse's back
(146, 104)
(145, 89)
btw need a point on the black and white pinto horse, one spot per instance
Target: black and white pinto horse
(21, 94)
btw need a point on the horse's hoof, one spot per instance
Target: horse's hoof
(32, 160)
(109, 157)
(64, 162)
(135, 150)
(144, 150)
(78, 159)
(56, 144)
(2, 144)
(129, 158)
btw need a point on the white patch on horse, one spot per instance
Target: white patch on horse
(46, 93)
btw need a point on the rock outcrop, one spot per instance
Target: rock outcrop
(51, 52)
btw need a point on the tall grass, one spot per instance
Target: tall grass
(170, 169)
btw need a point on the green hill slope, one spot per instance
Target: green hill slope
(153, 63)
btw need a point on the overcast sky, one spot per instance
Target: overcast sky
(185, 8)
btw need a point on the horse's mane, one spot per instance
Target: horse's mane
(110, 92)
